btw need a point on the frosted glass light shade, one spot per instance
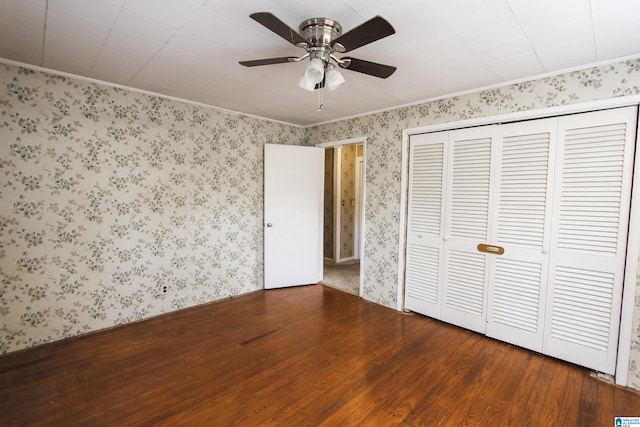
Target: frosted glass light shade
(334, 79)
(315, 71)
(313, 74)
(305, 84)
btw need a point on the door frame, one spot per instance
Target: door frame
(363, 199)
(633, 236)
(337, 193)
(359, 218)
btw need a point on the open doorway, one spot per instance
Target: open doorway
(343, 215)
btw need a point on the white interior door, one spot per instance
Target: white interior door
(425, 227)
(589, 236)
(468, 223)
(293, 215)
(518, 277)
(550, 198)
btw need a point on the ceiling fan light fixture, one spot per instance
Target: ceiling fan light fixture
(334, 78)
(314, 72)
(306, 84)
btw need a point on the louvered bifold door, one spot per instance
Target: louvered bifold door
(518, 277)
(467, 224)
(423, 281)
(590, 220)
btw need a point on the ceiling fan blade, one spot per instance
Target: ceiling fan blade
(270, 21)
(268, 61)
(374, 29)
(367, 67)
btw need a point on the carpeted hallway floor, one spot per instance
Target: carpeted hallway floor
(344, 276)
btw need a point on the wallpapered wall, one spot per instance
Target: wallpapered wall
(383, 159)
(328, 203)
(108, 196)
(348, 155)
(347, 197)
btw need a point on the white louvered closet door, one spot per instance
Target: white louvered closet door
(518, 278)
(425, 225)
(469, 193)
(590, 220)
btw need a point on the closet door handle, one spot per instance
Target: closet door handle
(490, 249)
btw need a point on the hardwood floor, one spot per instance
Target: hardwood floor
(301, 356)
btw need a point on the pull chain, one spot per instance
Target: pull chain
(320, 104)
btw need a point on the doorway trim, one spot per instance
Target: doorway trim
(363, 198)
(633, 237)
(359, 218)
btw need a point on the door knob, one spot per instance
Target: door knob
(269, 224)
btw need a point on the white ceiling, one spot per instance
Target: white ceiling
(190, 49)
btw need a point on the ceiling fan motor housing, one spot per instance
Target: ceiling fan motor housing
(319, 32)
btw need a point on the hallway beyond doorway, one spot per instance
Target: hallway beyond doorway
(344, 276)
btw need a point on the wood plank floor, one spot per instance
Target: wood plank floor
(302, 356)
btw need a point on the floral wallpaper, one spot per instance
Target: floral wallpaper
(347, 198)
(328, 203)
(383, 159)
(116, 206)
(348, 155)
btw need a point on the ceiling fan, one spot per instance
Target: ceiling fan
(322, 38)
